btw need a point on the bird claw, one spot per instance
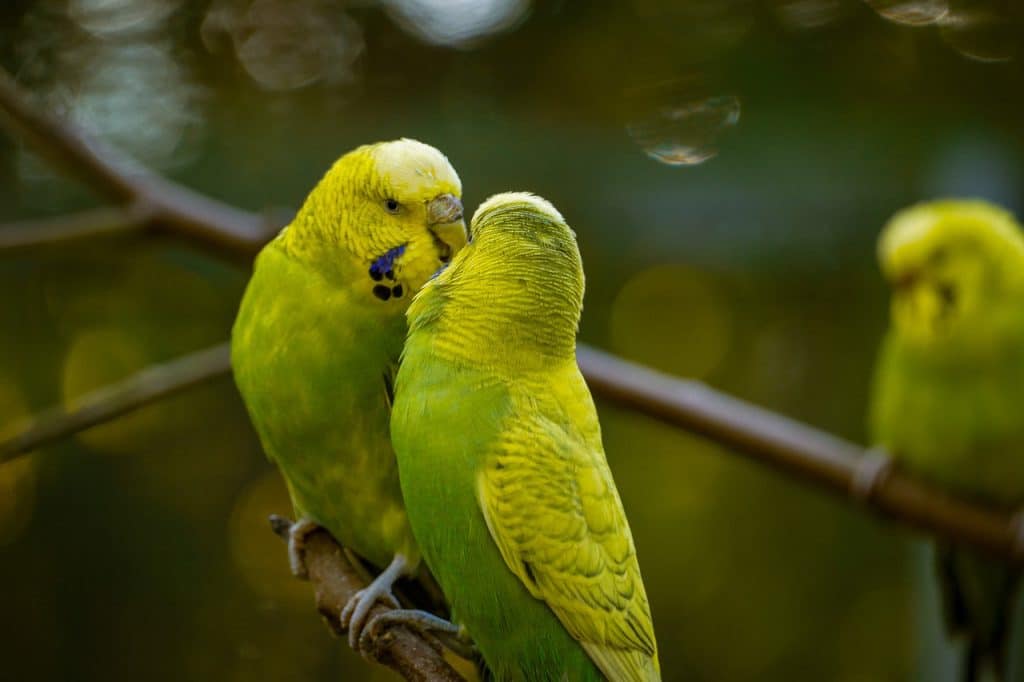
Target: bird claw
(353, 616)
(453, 637)
(297, 535)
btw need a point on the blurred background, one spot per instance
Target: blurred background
(727, 165)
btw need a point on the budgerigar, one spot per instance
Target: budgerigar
(948, 402)
(501, 463)
(318, 338)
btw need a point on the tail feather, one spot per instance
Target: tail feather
(978, 594)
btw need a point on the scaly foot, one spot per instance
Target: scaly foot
(297, 546)
(452, 636)
(353, 616)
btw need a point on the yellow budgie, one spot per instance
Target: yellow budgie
(318, 337)
(501, 463)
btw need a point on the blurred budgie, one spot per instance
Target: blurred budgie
(948, 401)
(318, 338)
(501, 462)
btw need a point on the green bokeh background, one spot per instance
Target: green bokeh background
(140, 549)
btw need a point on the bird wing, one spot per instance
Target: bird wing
(551, 506)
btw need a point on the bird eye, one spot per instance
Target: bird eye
(391, 205)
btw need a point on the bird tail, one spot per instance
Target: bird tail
(978, 595)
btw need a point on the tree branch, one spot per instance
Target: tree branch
(335, 581)
(794, 448)
(115, 400)
(60, 230)
(177, 208)
(799, 450)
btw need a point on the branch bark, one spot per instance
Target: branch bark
(809, 454)
(173, 206)
(61, 230)
(109, 402)
(335, 581)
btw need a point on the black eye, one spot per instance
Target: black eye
(391, 205)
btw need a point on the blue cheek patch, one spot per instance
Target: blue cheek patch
(384, 266)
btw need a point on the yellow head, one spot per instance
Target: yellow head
(512, 298)
(390, 213)
(956, 269)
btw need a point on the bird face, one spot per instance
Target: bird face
(412, 211)
(949, 267)
(938, 294)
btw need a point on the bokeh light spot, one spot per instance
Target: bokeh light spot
(981, 35)
(674, 318)
(96, 358)
(911, 12)
(117, 18)
(685, 133)
(457, 23)
(287, 45)
(808, 14)
(259, 555)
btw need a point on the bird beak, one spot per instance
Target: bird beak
(444, 208)
(444, 215)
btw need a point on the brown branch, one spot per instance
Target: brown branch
(799, 450)
(60, 230)
(177, 208)
(115, 400)
(335, 581)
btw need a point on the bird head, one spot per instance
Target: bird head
(956, 271)
(393, 209)
(513, 296)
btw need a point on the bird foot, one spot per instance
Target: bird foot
(297, 535)
(872, 469)
(453, 637)
(353, 616)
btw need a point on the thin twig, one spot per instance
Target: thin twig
(336, 581)
(115, 400)
(799, 450)
(181, 210)
(60, 230)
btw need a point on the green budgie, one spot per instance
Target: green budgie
(948, 402)
(318, 338)
(501, 462)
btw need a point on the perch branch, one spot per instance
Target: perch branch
(804, 452)
(335, 581)
(115, 400)
(174, 207)
(799, 450)
(97, 222)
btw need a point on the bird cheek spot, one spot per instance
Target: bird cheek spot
(382, 292)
